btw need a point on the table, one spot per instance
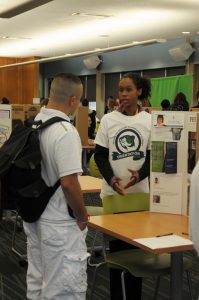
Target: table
(137, 225)
(90, 184)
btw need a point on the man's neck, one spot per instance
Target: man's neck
(58, 106)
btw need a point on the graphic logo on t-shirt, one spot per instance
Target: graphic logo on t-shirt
(128, 143)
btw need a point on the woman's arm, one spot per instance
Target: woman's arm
(102, 161)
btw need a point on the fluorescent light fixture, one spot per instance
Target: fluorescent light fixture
(13, 9)
(186, 32)
(85, 53)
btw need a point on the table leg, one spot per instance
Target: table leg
(176, 276)
(84, 161)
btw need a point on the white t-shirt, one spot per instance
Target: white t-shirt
(127, 138)
(61, 156)
(194, 208)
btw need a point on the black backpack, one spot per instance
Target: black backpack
(22, 187)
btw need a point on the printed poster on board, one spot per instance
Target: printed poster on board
(5, 123)
(168, 161)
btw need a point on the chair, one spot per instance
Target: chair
(137, 262)
(93, 168)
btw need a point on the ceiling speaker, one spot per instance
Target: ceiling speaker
(92, 62)
(181, 52)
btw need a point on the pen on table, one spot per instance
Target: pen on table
(165, 234)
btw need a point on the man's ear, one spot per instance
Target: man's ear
(72, 100)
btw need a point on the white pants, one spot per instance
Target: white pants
(57, 261)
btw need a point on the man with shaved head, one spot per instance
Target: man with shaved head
(57, 252)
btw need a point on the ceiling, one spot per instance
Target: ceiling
(62, 27)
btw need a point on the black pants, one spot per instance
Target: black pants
(133, 284)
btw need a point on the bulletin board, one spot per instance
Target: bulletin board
(173, 151)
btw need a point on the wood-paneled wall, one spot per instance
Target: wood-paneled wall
(19, 84)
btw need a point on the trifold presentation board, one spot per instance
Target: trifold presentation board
(173, 155)
(5, 122)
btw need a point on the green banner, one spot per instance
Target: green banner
(168, 87)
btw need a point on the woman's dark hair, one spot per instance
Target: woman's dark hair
(5, 100)
(140, 82)
(85, 102)
(165, 104)
(181, 100)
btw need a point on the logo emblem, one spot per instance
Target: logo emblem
(128, 142)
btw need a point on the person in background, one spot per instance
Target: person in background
(197, 99)
(110, 105)
(91, 138)
(44, 102)
(92, 114)
(180, 103)
(124, 161)
(117, 104)
(145, 103)
(165, 104)
(4, 100)
(57, 252)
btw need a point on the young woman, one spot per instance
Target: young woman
(123, 158)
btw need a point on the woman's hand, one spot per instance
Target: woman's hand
(115, 183)
(91, 142)
(133, 179)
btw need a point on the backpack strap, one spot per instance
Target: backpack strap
(58, 183)
(49, 122)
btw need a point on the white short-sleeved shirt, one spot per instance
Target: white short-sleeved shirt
(128, 139)
(61, 156)
(194, 207)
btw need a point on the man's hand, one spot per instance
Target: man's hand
(81, 225)
(133, 179)
(115, 183)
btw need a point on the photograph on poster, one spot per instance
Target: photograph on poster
(164, 157)
(168, 126)
(159, 121)
(166, 195)
(156, 198)
(156, 180)
(157, 154)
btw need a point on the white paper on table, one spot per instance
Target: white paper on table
(164, 241)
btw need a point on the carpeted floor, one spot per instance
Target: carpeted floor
(14, 275)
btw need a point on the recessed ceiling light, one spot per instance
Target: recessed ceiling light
(185, 32)
(103, 35)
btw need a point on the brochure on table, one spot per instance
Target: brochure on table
(169, 160)
(5, 122)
